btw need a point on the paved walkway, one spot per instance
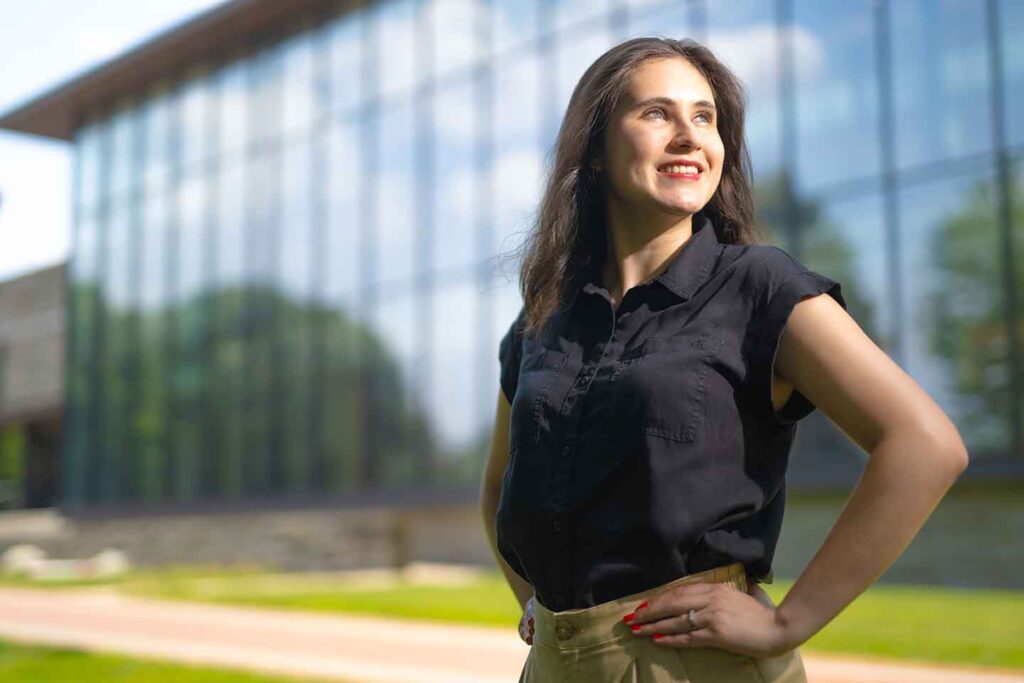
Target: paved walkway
(356, 649)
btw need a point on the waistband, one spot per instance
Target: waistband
(601, 623)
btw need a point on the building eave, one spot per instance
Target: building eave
(208, 36)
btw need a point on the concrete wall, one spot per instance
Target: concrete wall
(290, 540)
(32, 345)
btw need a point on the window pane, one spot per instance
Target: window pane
(195, 117)
(1011, 24)
(514, 22)
(397, 420)
(234, 128)
(453, 381)
(455, 201)
(837, 106)
(394, 25)
(346, 61)
(941, 80)
(953, 306)
(298, 102)
(517, 171)
(569, 12)
(345, 188)
(743, 35)
(455, 27)
(395, 229)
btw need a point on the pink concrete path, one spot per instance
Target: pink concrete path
(344, 648)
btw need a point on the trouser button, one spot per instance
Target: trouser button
(564, 631)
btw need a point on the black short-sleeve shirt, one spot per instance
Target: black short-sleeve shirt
(643, 442)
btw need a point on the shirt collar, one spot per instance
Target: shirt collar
(689, 268)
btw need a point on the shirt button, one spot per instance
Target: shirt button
(566, 450)
(557, 525)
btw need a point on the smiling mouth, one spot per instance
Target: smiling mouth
(687, 174)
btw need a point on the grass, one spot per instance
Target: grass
(58, 665)
(979, 627)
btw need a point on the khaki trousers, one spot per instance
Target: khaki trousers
(594, 645)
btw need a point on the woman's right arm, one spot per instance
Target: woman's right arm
(490, 489)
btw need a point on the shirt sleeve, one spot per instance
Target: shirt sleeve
(510, 352)
(786, 282)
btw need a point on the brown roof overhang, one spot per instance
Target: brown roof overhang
(210, 35)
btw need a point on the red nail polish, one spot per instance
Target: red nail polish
(643, 604)
(636, 627)
(629, 617)
(656, 636)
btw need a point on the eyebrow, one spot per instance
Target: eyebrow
(671, 103)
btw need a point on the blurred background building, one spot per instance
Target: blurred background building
(285, 288)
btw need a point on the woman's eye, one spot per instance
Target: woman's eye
(659, 110)
(707, 115)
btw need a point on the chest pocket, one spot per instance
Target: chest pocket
(531, 412)
(665, 381)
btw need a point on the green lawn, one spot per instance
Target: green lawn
(963, 626)
(58, 665)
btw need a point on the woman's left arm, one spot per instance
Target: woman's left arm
(915, 456)
(915, 452)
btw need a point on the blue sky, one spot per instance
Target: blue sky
(43, 44)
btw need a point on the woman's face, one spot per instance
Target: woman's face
(645, 136)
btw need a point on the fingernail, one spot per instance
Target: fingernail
(642, 604)
(636, 627)
(629, 617)
(656, 636)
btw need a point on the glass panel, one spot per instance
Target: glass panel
(265, 90)
(514, 22)
(941, 80)
(1011, 24)
(659, 18)
(455, 27)
(455, 188)
(122, 152)
(295, 229)
(296, 253)
(396, 418)
(344, 397)
(569, 12)
(518, 165)
(87, 144)
(344, 189)
(953, 306)
(156, 160)
(848, 243)
(346, 63)
(574, 54)
(261, 203)
(299, 105)
(80, 441)
(227, 357)
(195, 129)
(187, 375)
(395, 229)
(837, 104)
(456, 433)
(114, 354)
(233, 129)
(153, 330)
(394, 30)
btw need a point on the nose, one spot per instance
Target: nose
(686, 137)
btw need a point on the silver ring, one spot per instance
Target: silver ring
(691, 618)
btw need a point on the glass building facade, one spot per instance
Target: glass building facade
(284, 278)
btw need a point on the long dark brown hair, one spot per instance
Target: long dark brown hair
(569, 229)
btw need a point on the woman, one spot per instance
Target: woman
(649, 398)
